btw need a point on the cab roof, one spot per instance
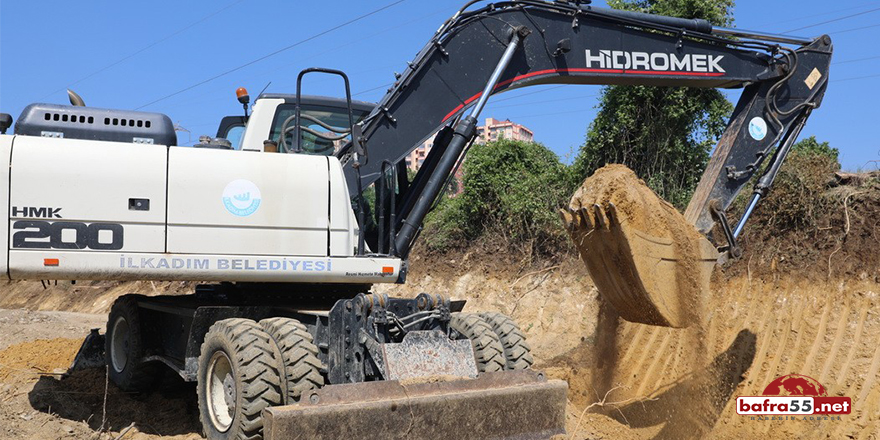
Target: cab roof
(319, 100)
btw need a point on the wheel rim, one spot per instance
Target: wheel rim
(221, 393)
(119, 344)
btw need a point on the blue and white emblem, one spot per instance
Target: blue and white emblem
(241, 197)
(757, 128)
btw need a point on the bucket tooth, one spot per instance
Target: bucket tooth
(567, 219)
(600, 217)
(611, 213)
(586, 219)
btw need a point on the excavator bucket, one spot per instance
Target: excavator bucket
(645, 259)
(504, 405)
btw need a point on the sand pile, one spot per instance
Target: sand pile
(31, 359)
(645, 259)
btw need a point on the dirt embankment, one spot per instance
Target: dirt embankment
(37, 402)
(82, 296)
(840, 240)
(41, 328)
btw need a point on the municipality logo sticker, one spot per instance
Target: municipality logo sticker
(241, 197)
(757, 128)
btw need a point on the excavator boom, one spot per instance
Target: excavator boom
(783, 78)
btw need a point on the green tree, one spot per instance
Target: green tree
(511, 190)
(811, 147)
(664, 134)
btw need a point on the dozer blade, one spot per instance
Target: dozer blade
(645, 259)
(503, 405)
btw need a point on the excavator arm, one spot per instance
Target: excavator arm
(515, 44)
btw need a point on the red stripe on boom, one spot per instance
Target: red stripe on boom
(576, 70)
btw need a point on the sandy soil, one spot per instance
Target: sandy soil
(38, 402)
(630, 381)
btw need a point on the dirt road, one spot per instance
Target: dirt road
(36, 347)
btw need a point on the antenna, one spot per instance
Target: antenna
(264, 89)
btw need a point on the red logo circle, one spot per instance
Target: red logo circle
(795, 385)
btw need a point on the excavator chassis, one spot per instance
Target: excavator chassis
(367, 364)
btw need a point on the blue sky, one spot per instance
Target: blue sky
(124, 54)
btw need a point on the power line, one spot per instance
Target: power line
(581, 97)
(549, 114)
(855, 60)
(359, 40)
(527, 94)
(242, 66)
(199, 99)
(853, 29)
(825, 13)
(520, 104)
(370, 90)
(149, 46)
(833, 20)
(855, 78)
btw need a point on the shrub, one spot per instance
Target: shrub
(511, 191)
(798, 196)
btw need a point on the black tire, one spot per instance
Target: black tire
(124, 348)
(239, 376)
(300, 364)
(517, 353)
(488, 351)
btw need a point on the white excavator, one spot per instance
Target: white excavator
(284, 335)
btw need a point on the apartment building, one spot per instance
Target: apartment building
(491, 131)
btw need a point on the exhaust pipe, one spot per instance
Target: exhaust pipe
(75, 99)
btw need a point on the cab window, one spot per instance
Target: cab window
(232, 129)
(233, 135)
(336, 117)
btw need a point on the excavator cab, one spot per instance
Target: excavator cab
(325, 110)
(232, 128)
(315, 129)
